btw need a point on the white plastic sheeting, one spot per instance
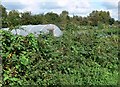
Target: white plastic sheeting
(37, 29)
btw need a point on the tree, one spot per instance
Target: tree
(97, 17)
(104, 17)
(111, 21)
(52, 18)
(37, 19)
(64, 16)
(3, 11)
(26, 18)
(13, 19)
(3, 15)
(94, 18)
(75, 20)
(84, 21)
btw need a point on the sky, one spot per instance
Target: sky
(74, 7)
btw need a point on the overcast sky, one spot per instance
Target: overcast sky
(74, 7)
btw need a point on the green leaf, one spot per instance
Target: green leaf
(24, 60)
(5, 77)
(14, 79)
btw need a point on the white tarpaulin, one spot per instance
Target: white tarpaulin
(37, 29)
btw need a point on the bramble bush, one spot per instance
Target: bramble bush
(79, 57)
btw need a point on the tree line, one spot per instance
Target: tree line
(15, 18)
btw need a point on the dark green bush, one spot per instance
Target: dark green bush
(84, 58)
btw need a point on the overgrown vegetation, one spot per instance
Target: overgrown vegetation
(87, 53)
(80, 57)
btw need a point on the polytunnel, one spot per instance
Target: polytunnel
(37, 29)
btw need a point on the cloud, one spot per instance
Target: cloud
(74, 7)
(110, 4)
(112, 7)
(49, 5)
(13, 5)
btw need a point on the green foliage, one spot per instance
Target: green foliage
(26, 18)
(3, 15)
(36, 19)
(97, 17)
(80, 57)
(15, 18)
(51, 18)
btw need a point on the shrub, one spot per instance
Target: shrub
(73, 59)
